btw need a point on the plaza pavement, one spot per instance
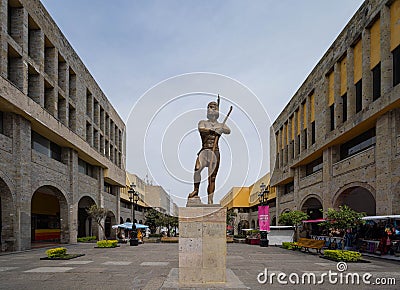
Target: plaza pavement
(148, 266)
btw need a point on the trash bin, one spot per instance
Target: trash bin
(264, 239)
(133, 242)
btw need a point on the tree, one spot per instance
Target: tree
(153, 219)
(230, 217)
(293, 218)
(342, 219)
(98, 214)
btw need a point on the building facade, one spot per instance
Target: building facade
(62, 144)
(244, 202)
(338, 140)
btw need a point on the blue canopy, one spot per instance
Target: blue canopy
(128, 226)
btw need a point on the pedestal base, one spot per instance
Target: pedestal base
(202, 245)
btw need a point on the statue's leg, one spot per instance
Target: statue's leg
(197, 177)
(212, 175)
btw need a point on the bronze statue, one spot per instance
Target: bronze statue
(210, 130)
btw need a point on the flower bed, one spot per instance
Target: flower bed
(107, 244)
(290, 245)
(59, 254)
(90, 239)
(342, 255)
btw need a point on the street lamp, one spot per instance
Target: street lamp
(134, 198)
(262, 198)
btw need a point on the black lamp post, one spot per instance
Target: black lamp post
(134, 198)
(262, 198)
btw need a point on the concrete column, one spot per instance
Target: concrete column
(386, 55)
(309, 129)
(302, 138)
(118, 204)
(22, 162)
(383, 164)
(327, 193)
(366, 69)
(351, 88)
(336, 93)
(291, 143)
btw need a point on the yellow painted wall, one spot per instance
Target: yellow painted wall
(312, 105)
(293, 126)
(357, 62)
(331, 96)
(298, 122)
(343, 76)
(241, 196)
(375, 43)
(304, 116)
(394, 25)
(45, 204)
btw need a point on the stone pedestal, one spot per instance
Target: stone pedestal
(202, 245)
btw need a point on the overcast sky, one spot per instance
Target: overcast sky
(146, 56)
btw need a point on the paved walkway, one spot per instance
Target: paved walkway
(148, 266)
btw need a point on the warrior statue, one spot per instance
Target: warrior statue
(210, 130)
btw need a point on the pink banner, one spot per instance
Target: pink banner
(263, 217)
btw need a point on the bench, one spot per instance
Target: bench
(310, 244)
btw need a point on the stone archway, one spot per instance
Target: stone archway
(86, 226)
(7, 238)
(49, 215)
(357, 198)
(312, 205)
(108, 223)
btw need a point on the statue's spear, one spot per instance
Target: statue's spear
(217, 137)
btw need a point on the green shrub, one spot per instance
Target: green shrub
(289, 245)
(240, 236)
(107, 243)
(342, 255)
(56, 252)
(155, 235)
(87, 239)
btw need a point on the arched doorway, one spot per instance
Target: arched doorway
(313, 208)
(108, 223)
(49, 216)
(86, 226)
(7, 238)
(253, 224)
(243, 224)
(273, 222)
(357, 198)
(121, 220)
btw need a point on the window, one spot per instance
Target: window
(298, 144)
(1, 123)
(344, 113)
(376, 82)
(396, 66)
(305, 138)
(358, 144)
(86, 168)
(359, 96)
(332, 114)
(289, 188)
(314, 166)
(45, 146)
(313, 132)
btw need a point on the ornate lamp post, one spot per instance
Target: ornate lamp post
(134, 198)
(262, 198)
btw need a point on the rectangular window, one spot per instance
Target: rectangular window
(344, 113)
(45, 146)
(1, 123)
(305, 138)
(289, 188)
(314, 166)
(358, 144)
(332, 117)
(396, 66)
(359, 96)
(376, 82)
(86, 168)
(298, 144)
(313, 132)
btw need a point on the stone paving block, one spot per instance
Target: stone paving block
(49, 270)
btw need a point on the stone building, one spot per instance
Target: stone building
(338, 139)
(244, 202)
(62, 144)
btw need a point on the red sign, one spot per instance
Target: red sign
(263, 217)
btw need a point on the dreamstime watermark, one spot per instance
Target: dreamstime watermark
(331, 277)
